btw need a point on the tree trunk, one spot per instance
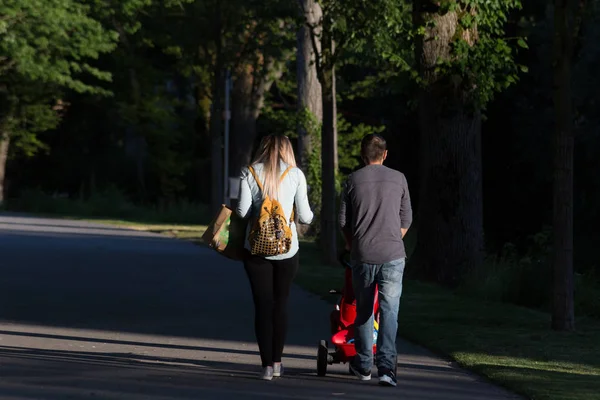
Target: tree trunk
(309, 87)
(563, 315)
(450, 219)
(216, 115)
(244, 116)
(140, 140)
(329, 167)
(249, 91)
(4, 146)
(136, 97)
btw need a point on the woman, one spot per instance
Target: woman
(271, 277)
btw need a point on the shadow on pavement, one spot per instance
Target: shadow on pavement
(139, 344)
(73, 374)
(51, 374)
(71, 285)
(120, 281)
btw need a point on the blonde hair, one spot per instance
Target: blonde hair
(274, 149)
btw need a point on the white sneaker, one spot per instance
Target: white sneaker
(267, 373)
(363, 375)
(387, 378)
(277, 370)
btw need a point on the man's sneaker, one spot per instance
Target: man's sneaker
(362, 374)
(277, 370)
(267, 373)
(387, 378)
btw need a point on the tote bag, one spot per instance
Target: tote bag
(226, 234)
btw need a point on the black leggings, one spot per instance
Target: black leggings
(271, 282)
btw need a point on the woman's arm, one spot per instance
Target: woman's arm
(245, 201)
(305, 214)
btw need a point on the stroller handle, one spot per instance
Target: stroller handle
(342, 260)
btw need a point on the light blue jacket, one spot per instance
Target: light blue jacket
(292, 190)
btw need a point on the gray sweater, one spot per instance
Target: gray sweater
(375, 205)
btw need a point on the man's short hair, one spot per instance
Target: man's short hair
(372, 147)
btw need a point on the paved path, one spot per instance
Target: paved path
(94, 312)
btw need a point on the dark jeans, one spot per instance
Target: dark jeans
(271, 282)
(389, 278)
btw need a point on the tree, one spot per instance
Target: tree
(463, 60)
(265, 46)
(46, 43)
(309, 87)
(198, 34)
(250, 40)
(563, 316)
(342, 26)
(138, 88)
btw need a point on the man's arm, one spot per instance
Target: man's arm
(345, 217)
(406, 216)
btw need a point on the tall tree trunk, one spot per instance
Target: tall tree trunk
(202, 159)
(563, 315)
(244, 116)
(4, 146)
(309, 87)
(216, 115)
(251, 85)
(136, 97)
(329, 166)
(140, 140)
(450, 219)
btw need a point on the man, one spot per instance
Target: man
(375, 214)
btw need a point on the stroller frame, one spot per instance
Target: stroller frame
(342, 320)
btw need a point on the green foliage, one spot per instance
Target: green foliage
(518, 277)
(46, 45)
(51, 41)
(281, 121)
(30, 120)
(157, 122)
(314, 167)
(123, 15)
(482, 60)
(523, 278)
(197, 32)
(358, 25)
(349, 138)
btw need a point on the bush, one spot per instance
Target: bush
(109, 203)
(524, 283)
(526, 280)
(36, 201)
(587, 295)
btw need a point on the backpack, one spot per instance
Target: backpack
(271, 235)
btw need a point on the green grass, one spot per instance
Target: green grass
(512, 346)
(184, 232)
(313, 275)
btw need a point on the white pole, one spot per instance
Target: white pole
(226, 144)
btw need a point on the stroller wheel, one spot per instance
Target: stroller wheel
(322, 355)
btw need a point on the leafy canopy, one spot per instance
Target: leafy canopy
(51, 41)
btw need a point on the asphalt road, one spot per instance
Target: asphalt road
(94, 312)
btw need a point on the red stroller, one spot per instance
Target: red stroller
(342, 325)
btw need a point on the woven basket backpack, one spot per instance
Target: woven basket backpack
(271, 234)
